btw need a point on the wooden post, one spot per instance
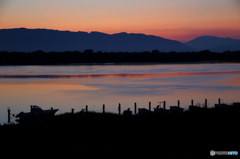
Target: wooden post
(192, 103)
(219, 101)
(86, 108)
(103, 108)
(9, 115)
(72, 111)
(150, 106)
(178, 103)
(205, 103)
(164, 104)
(135, 108)
(119, 108)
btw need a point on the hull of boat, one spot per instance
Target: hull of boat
(160, 111)
(32, 117)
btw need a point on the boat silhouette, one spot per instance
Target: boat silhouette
(36, 114)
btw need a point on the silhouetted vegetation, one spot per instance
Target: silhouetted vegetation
(188, 134)
(88, 56)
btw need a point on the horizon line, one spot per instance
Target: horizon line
(119, 75)
(116, 33)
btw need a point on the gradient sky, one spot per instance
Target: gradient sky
(180, 20)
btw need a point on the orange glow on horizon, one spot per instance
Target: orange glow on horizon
(175, 20)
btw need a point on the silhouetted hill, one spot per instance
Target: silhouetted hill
(28, 40)
(214, 44)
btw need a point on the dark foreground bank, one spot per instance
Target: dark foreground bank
(87, 135)
(88, 56)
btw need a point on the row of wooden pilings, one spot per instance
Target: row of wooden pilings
(119, 107)
(135, 106)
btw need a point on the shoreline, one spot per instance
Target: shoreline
(132, 63)
(76, 57)
(107, 135)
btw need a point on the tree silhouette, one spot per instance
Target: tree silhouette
(88, 56)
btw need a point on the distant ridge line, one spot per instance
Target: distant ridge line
(28, 40)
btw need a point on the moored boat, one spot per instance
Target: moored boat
(36, 113)
(144, 111)
(195, 108)
(222, 105)
(176, 109)
(159, 110)
(127, 112)
(236, 104)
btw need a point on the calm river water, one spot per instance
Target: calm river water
(74, 86)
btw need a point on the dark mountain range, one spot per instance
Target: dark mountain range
(28, 40)
(214, 44)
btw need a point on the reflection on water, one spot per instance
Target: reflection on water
(67, 87)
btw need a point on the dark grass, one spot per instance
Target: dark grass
(189, 134)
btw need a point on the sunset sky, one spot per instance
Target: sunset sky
(181, 20)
